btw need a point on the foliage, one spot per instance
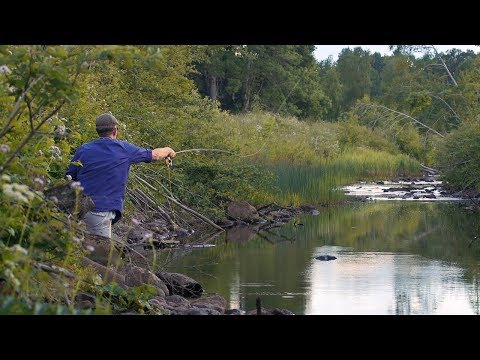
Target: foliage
(459, 157)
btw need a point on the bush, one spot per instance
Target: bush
(459, 157)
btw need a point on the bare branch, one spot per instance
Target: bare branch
(30, 135)
(444, 65)
(406, 115)
(16, 108)
(184, 207)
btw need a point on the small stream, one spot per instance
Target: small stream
(419, 256)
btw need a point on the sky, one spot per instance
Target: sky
(323, 51)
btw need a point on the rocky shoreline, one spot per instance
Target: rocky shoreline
(177, 294)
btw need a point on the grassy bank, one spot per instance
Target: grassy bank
(319, 184)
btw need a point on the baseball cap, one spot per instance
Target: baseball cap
(106, 122)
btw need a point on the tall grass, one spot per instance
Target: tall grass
(319, 183)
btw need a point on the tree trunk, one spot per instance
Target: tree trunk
(212, 82)
(247, 88)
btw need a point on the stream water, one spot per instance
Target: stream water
(393, 257)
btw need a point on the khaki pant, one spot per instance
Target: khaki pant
(100, 223)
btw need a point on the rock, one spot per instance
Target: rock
(106, 251)
(202, 311)
(263, 311)
(242, 210)
(66, 199)
(213, 302)
(281, 312)
(85, 300)
(325, 257)
(159, 304)
(180, 284)
(136, 276)
(176, 300)
(181, 310)
(232, 312)
(275, 311)
(107, 274)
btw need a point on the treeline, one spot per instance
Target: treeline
(414, 101)
(287, 79)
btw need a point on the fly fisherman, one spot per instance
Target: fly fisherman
(102, 166)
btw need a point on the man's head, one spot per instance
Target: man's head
(107, 126)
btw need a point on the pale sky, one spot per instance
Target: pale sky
(323, 51)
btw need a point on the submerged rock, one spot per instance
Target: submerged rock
(325, 257)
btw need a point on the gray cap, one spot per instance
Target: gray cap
(106, 121)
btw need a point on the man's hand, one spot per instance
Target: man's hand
(162, 153)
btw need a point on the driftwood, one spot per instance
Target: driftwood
(429, 169)
(66, 199)
(184, 207)
(180, 284)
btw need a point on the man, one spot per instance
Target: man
(102, 166)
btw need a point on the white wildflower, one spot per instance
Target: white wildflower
(76, 239)
(90, 248)
(5, 177)
(4, 148)
(60, 130)
(55, 150)
(68, 177)
(76, 184)
(18, 248)
(40, 152)
(9, 274)
(38, 181)
(5, 69)
(11, 89)
(18, 192)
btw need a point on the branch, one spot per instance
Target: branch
(444, 65)
(53, 269)
(453, 111)
(17, 107)
(198, 150)
(408, 116)
(184, 207)
(30, 135)
(30, 114)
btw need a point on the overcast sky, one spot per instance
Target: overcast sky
(322, 52)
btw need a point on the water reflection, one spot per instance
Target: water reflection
(392, 258)
(385, 283)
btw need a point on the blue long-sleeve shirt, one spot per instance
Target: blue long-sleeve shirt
(103, 173)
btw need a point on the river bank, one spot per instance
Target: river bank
(131, 262)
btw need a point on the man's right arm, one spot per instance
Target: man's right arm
(162, 153)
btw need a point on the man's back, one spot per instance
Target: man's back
(104, 168)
